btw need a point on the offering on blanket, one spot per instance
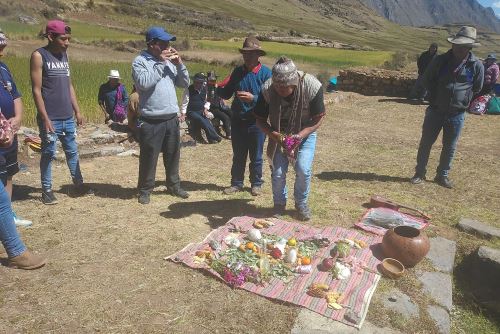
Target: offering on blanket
(243, 263)
(257, 257)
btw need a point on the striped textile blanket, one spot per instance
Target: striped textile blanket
(357, 290)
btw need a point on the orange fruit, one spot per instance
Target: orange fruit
(242, 248)
(306, 260)
(250, 245)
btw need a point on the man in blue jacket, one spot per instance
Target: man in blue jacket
(451, 79)
(156, 72)
(247, 139)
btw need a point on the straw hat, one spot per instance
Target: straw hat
(466, 36)
(251, 43)
(114, 74)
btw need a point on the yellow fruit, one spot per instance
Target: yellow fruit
(242, 248)
(292, 242)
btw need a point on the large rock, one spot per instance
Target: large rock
(442, 254)
(482, 230)
(438, 286)
(480, 272)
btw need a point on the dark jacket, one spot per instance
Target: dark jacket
(450, 92)
(424, 60)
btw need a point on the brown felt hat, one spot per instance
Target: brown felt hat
(251, 43)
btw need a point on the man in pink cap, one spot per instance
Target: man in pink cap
(57, 107)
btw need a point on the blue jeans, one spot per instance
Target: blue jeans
(303, 173)
(65, 131)
(8, 233)
(246, 139)
(452, 125)
(200, 121)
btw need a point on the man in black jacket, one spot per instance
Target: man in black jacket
(418, 91)
(451, 79)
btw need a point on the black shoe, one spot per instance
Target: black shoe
(216, 141)
(304, 212)
(82, 190)
(279, 210)
(178, 192)
(443, 181)
(417, 179)
(144, 198)
(48, 197)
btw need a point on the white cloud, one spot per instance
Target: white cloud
(496, 4)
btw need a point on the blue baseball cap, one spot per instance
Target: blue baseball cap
(159, 33)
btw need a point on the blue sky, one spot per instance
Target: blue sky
(495, 4)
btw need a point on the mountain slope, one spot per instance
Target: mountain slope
(345, 21)
(436, 12)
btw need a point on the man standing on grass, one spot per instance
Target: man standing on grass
(289, 110)
(57, 107)
(247, 139)
(156, 72)
(11, 107)
(451, 79)
(418, 91)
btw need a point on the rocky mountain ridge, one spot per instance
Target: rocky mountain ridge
(436, 12)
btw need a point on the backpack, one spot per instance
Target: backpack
(494, 106)
(120, 110)
(479, 105)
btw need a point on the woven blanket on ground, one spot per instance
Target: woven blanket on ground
(379, 220)
(357, 290)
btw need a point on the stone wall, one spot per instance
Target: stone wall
(376, 82)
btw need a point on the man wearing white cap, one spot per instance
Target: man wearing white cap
(113, 98)
(451, 79)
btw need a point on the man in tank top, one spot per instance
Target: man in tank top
(57, 107)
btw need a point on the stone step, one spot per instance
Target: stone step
(477, 228)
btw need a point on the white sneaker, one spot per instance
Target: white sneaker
(21, 222)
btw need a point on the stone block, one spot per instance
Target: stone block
(400, 303)
(309, 322)
(438, 286)
(441, 318)
(482, 230)
(442, 254)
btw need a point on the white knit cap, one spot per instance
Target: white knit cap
(285, 72)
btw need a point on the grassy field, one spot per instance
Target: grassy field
(328, 57)
(86, 77)
(82, 32)
(106, 271)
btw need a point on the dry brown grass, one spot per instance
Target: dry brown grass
(106, 270)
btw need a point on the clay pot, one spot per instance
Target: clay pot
(405, 244)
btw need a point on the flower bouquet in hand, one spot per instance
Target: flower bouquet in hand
(290, 143)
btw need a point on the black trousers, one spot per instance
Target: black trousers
(224, 118)
(159, 136)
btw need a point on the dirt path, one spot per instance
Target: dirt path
(106, 270)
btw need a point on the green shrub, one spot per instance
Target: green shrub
(398, 61)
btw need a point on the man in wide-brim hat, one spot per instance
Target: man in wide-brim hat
(451, 79)
(247, 139)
